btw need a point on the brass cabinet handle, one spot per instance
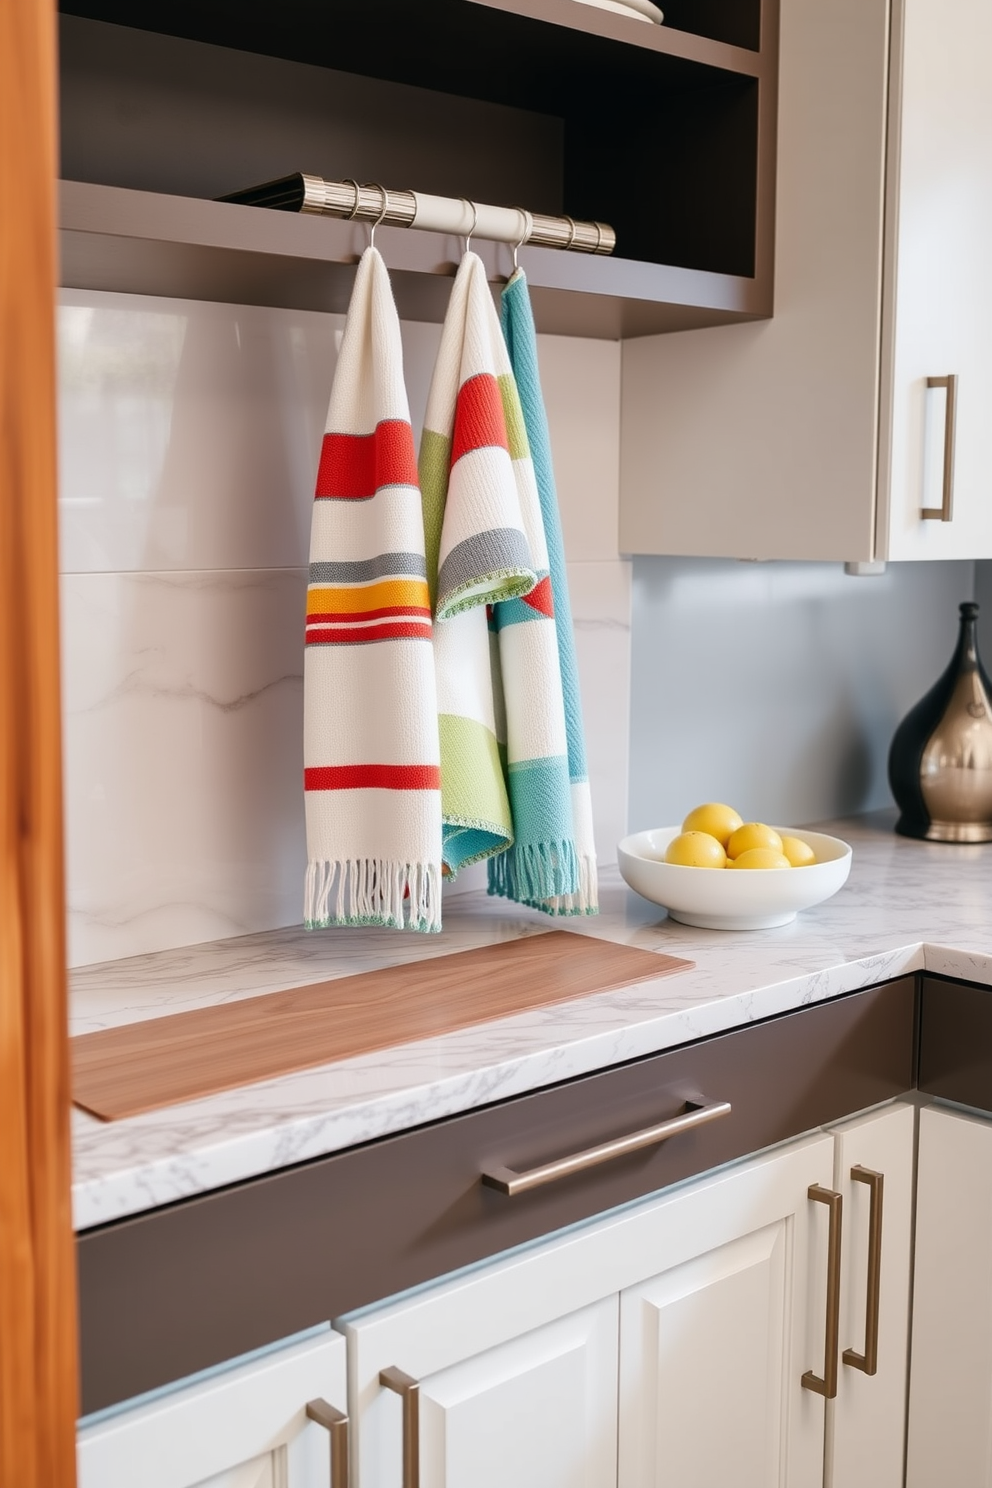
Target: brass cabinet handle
(945, 512)
(336, 1423)
(696, 1113)
(408, 1390)
(827, 1386)
(868, 1361)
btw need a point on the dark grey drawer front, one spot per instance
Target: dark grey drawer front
(956, 1042)
(179, 1289)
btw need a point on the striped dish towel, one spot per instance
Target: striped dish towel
(521, 339)
(479, 551)
(371, 761)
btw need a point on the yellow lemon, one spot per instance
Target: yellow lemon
(798, 852)
(718, 820)
(753, 834)
(760, 857)
(696, 850)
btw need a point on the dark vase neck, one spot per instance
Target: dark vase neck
(966, 655)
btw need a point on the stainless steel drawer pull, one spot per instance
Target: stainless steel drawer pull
(408, 1389)
(945, 512)
(868, 1361)
(827, 1386)
(696, 1113)
(336, 1423)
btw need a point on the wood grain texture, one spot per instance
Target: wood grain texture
(142, 1066)
(38, 1353)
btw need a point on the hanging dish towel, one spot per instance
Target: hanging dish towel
(521, 339)
(504, 763)
(479, 551)
(372, 768)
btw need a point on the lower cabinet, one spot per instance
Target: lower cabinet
(689, 1341)
(245, 1428)
(713, 1345)
(747, 1328)
(866, 1422)
(950, 1400)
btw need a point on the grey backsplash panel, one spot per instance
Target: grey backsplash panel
(983, 593)
(777, 686)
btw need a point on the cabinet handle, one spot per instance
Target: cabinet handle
(408, 1390)
(945, 512)
(868, 1361)
(827, 1386)
(696, 1113)
(336, 1423)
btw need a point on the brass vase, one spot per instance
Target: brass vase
(940, 763)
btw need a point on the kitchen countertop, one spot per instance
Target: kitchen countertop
(907, 906)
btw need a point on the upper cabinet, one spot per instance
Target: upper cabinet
(666, 132)
(827, 432)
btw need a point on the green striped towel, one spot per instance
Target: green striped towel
(479, 545)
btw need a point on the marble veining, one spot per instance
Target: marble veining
(183, 706)
(907, 906)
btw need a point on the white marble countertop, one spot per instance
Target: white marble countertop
(907, 906)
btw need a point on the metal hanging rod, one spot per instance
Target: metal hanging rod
(444, 214)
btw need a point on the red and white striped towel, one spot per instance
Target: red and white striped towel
(371, 754)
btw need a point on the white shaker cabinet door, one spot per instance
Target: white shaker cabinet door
(866, 1424)
(950, 1395)
(245, 1428)
(939, 318)
(714, 1346)
(498, 1403)
(538, 1412)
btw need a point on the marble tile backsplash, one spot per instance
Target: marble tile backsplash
(183, 699)
(188, 442)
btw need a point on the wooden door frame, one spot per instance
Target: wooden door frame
(38, 1353)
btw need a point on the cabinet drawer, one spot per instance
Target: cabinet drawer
(956, 1042)
(179, 1289)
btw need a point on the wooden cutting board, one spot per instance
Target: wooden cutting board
(140, 1067)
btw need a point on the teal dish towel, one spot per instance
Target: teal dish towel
(548, 808)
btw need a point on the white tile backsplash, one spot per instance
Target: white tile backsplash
(189, 437)
(183, 699)
(190, 431)
(601, 609)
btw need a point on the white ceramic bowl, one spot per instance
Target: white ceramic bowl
(732, 898)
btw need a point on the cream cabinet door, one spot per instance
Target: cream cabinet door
(246, 1428)
(499, 1404)
(939, 313)
(760, 440)
(814, 435)
(713, 1346)
(950, 1396)
(866, 1424)
(712, 1299)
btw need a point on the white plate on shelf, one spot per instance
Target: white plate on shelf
(635, 10)
(733, 898)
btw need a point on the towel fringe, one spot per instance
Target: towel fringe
(585, 900)
(372, 891)
(544, 875)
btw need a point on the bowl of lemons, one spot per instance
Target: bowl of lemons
(720, 872)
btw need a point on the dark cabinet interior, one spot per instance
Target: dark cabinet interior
(666, 133)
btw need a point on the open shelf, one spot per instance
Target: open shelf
(666, 134)
(142, 242)
(480, 48)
